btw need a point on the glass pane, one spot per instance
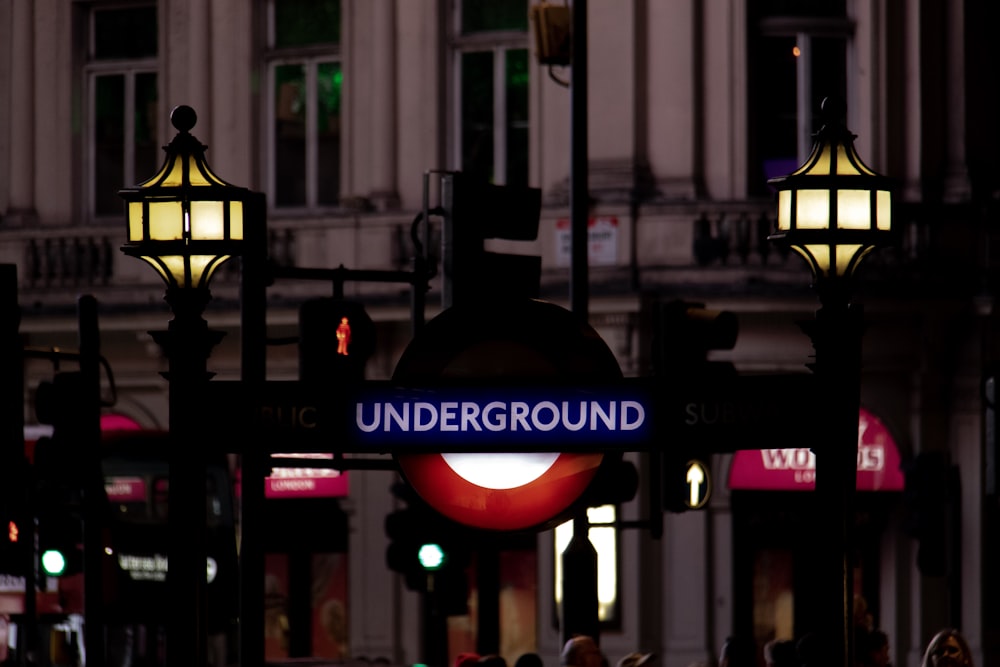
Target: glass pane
(517, 117)
(329, 78)
(125, 33)
(482, 16)
(146, 152)
(304, 22)
(290, 135)
(477, 114)
(109, 143)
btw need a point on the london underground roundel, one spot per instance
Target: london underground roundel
(504, 345)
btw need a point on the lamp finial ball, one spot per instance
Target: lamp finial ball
(183, 118)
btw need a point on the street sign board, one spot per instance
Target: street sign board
(379, 417)
(776, 411)
(631, 414)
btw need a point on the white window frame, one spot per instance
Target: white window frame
(309, 57)
(311, 65)
(93, 69)
(498, 43)
(128, 159)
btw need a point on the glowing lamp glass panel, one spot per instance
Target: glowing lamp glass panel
(883, 209)
(847, 258)
(175, 176)
(812, 210)
(134, 221)
(203, 266)
(844, 163)
(854, 209)
(236, 220)
(817, 255)
(784, 210)
(166, 221)
(156, 263)
(207, 220)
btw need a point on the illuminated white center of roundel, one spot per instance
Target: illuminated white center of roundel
(500, 471)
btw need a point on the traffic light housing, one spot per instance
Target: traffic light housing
(58, 508)
(336, 339)
(60, 543)
(684, 336)
(616, 482)
(430, 551)
(475, 211)
(71, 406)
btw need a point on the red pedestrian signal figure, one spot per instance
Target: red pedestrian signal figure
(12, 532)
(343, 336)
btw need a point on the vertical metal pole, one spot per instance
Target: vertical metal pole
(187, 343)
(93, 482)
(12, 448)
(435, 626)
(488, 607)
(580, 558)
(836, 335)
(579, 600)
(253, 329)
(579, 188)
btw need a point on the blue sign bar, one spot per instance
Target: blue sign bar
(512, 419)
(634, 414)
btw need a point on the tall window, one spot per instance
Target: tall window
(122, 147)
(491, 84)
(797, 57)
(305, 80)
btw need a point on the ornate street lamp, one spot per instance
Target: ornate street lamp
(185, 222)
(833, 210)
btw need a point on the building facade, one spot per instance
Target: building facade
(345, 112)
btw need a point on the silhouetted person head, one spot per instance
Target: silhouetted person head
(780, 653)
(737, 651)
(529, 660)
(948, 648)
(580, 651)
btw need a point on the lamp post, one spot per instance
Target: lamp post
(833, 210)
(185, 222)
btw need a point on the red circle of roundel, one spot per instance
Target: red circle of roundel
(514, 341)
(527, 506)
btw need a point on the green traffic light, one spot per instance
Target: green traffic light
(431, 556)
(53, 562)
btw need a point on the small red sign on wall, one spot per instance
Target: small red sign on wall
(602, 241)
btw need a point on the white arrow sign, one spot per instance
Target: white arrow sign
(697, 478)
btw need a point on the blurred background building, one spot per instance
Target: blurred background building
(342, 111)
